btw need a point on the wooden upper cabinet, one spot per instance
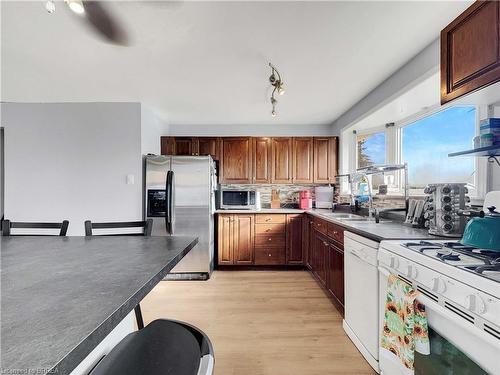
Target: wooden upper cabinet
(236, 160)
(185, 146)
(281, 167)
(167, 145)
(243, 232)
(325, 160)
(209, 146)
(262, 160)
(303, 160)
(470, 50)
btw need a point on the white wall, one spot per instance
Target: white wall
(250, 130)
(419, 68)
(70, 161)
(152, 127)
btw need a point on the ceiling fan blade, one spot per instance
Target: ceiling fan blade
(105, 24)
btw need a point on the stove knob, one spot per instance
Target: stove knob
(415, 272)
(409, 271)
(438, 285)
(466, 190)
(429, 215)
(470, 302)
(394, 262)
(480, 305)
(446, 189)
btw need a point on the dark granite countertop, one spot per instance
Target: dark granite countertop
(387, 230)
(61, 296)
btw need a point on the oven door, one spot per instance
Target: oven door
(457, 345)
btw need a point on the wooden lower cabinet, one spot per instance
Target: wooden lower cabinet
(326, 257)
(320, 252)
(261, 239)
(236, 239)
(243, 233)
(294, 239)
(225, 240)
(335, 273)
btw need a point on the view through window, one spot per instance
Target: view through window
(370, 149)
(426, 144)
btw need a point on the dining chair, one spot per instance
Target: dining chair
(7, 225)
(146, 226)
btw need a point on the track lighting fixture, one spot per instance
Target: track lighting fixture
(277, 83)
(76, 6)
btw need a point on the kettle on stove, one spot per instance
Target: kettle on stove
(483, 231)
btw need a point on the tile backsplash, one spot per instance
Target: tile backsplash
(289, 194)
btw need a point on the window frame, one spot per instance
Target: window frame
(394, 148)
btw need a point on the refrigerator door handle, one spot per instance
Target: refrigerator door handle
(168, 202)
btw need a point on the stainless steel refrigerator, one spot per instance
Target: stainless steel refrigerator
(179, 197)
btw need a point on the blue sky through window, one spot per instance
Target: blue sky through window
(427, 142)
(371, 149)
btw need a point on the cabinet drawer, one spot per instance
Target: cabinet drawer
(270, 218)
(321, 225)
(336, 232)
(269, 255)
(266, 229)
(271, 240)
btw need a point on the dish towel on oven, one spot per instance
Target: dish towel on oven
(405, 324)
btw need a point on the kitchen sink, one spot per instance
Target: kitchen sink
(365, 219)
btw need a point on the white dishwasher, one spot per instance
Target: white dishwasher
(361, 321)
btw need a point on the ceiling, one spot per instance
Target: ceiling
(207, 62)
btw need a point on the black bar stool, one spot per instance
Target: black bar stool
(7, 225)
(162, 347)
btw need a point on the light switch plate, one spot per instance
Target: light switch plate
(130, 179)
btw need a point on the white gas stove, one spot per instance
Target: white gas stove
(460, 287)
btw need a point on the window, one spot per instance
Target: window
(426, 143)
(370, 149)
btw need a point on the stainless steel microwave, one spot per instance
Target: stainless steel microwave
(239, 200)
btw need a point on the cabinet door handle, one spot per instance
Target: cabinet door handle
(269, 239)
(325, 243)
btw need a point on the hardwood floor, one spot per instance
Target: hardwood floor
(261, 322)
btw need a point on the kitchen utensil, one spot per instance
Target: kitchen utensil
(483, 232)
(419, 209)
(443, 203)
(275, 199)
